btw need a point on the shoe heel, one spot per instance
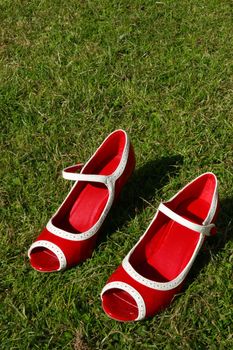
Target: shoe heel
(213, 232)
(129, 169)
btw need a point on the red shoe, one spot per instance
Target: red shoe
(70, 236)
(156, 268)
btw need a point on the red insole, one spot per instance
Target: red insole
(120, 304)
(174, 244)
(90, 203)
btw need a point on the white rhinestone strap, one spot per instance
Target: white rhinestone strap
(133, 293)
(73, 176)
(203, 229)
(54, 248)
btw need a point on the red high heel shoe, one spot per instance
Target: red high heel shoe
(70, 236)
(156, 268)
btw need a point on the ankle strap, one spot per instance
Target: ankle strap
(203, 229)
(70, 173)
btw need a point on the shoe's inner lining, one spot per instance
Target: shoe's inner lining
(120, 305)
(86, 202)
(90, 202)
(174, 244)
(165, 254)
(44, 259)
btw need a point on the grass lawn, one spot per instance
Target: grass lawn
(71, 72)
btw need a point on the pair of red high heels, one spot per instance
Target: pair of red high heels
(156, 267)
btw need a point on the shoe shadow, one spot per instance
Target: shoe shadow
(142, 186)
(214, 244)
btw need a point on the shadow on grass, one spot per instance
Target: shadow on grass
(214, 244)
(142, 186)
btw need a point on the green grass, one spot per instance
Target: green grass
(70, 73)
